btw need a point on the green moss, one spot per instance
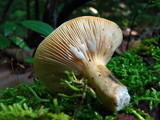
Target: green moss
(128, 69)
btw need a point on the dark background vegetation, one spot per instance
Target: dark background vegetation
(25, 23)
(144, 14)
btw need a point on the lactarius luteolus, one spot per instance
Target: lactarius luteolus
(84, 46)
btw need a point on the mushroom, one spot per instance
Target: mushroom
(83, 45)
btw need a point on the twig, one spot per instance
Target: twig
(28, 6)
(28, 9)
(36, 7)
(132, 24)
(150, 71)
(50, 12)
(129, 37)
(15, 78)
(6, 10)
(82, 100)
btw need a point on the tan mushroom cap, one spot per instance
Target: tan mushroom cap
(76, 46)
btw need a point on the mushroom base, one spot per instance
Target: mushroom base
(112, 93)
(123, 97)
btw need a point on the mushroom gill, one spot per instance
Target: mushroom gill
(83, 45)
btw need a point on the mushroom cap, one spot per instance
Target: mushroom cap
(74, 45)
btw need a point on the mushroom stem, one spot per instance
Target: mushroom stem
(112, 93)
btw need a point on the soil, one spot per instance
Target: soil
(154, 85)
(124, 116)
(155, 114)
(11, 73)
(147, 58)
(144, 105)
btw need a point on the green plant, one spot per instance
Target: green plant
(29, 60)
(4, 42)
(7, 40)
(17, 111)
(38, 26)
(23, 112)
(10, 27)
(127, 68)
(153, 96)
(140, 114)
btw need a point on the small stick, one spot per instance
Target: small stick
(132, 25)
(15, 78)
(82, 100)
(129, 37)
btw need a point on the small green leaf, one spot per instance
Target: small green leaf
(29, 60)
(70, 86)
(4, 42)
(9, 27)
(20, 13)
(56, 107)
(38, 26)
(20, 42)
